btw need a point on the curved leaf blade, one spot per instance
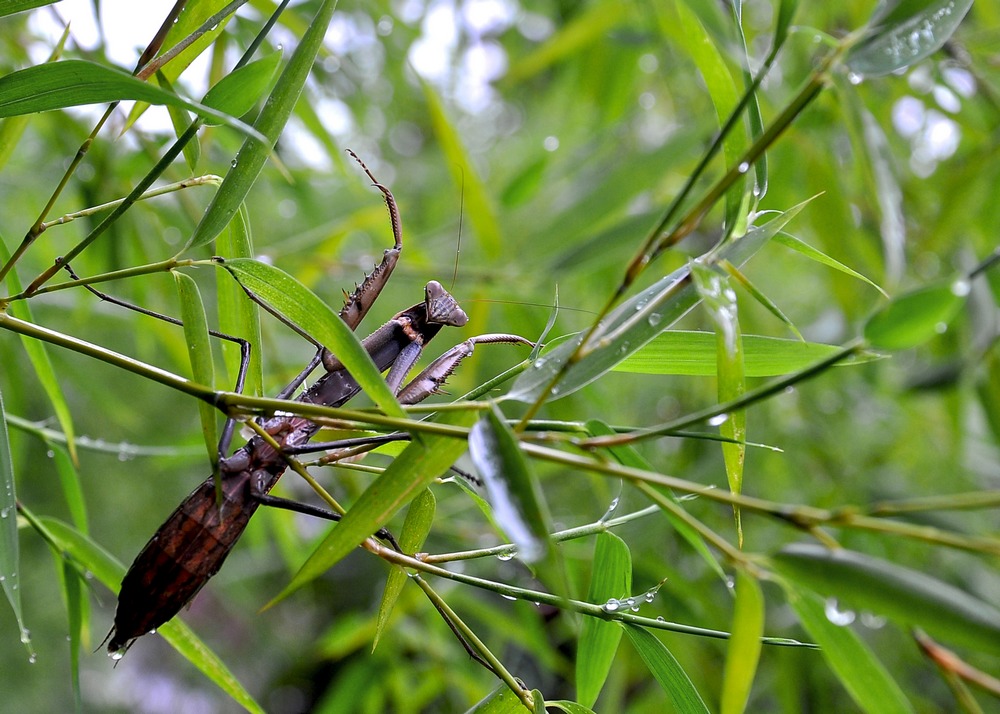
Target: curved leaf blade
(909, 597)
(903, 32)
(73, 83)
(861, 673)
(667, 671)
(611, 577)
(635, 322)
(237, 92)
(743, 653)
(420, 463)
(513, 493)
(199, 351)
(311, 316)
(915, 317)
(278, 108)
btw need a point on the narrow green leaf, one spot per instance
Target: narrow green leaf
(667, 671)
(194, 15)
(790, 241)
(861, 673)
(693, 353)
(9, 7)
(12, 128)
(479, 204)
(500, 701)
(719, 300)
(69, 480)
(628, 456)
(743, 652)
(636, 321)
(200, 353)
(610, 577)
(238, 314)
(75, 603)
(513, 493)
(419, 519)
(905, 596)
(700, 47)
(300, 306)
(421, 462)
(94, 559)
(237, 92)
(73, 83)
(568, 706)
(10, 553)
(913, 318)
(786, 13)
(760, 297)
(249, 161)
(900, 33)
(180, 120)
(40, 362)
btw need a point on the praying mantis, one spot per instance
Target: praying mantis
(193, 543)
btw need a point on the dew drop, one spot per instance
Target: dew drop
(837, 616)
(612, 605)
(32, 658)
(117, 655)
(718, 419)
(660, 618)
(855, 78)
(941, 328)
(961, 288)
(872, 621)
(505, 556)
(508, 597)
(654, 319)
(743, 167)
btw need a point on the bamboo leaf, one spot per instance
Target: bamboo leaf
(701, 48)
(194, 15)
(10, 552)
(420, 463)
(513, 493)
(249, 161)
(237, 92)
(861, 673)
(900, 33)
(610, 577)
(73, 83)
(719, 300)
(693, 353)
(915, 317)
(635, 322)
(419, 519)
(40, 361)
(667, 671)
(200, 354)
(69, 480)
(905, 596)
(760, 297)
(500, 701)
(743, 652)
(9, 7)
(94, 559)
(238, 314)
(790, 241)
(311, 316)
